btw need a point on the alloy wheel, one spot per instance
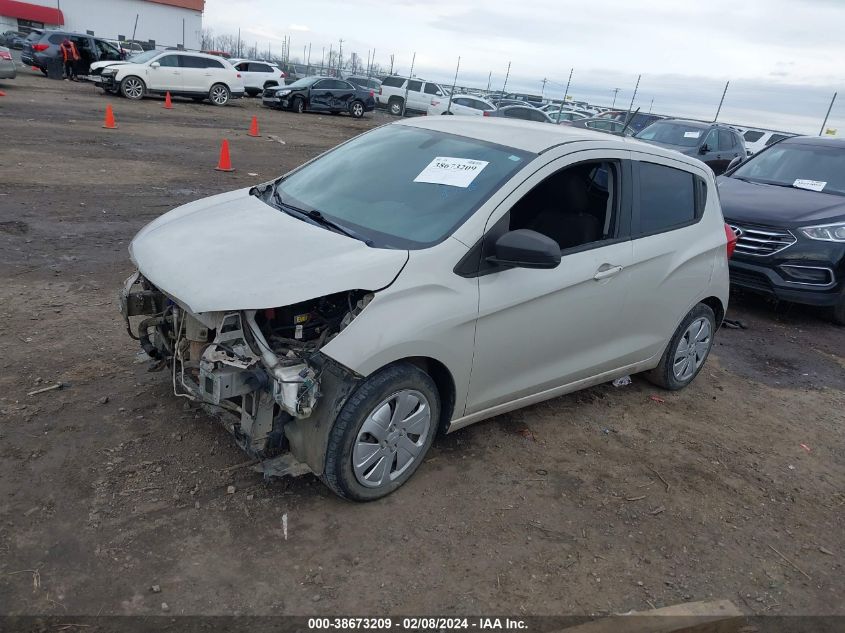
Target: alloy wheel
(357, 110)
(391, 438)
(219, 95)
(692, 349)
(133, 88)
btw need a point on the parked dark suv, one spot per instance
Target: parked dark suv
(43, 52)
(713, 143)
(786, 205)
(320, 94)
(13, 39)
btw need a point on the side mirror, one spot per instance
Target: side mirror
(155, 65)
(704, 149)
(524, 248)
(735, 162)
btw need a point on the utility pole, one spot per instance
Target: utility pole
(651, 105)
(543, 88)
(309, 57)
(489, 77)
(507, 74)
(722, 101)
(615, 92)
(454, 83)
(239, 43)
(407, 83)
(339, 57)
(826, 116)
(323, 60)
(565, 94)
(135, 28)
(330, 57)
(392, 58)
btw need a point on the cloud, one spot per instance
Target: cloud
(298, 27)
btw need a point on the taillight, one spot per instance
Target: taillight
(731, 245)
(379, 89)
(372, 93)
(486, 113)
(5, 55)
(434, 102)
(40, 47)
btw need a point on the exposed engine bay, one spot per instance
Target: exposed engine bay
(262, 367)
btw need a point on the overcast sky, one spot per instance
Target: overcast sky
(784, 58)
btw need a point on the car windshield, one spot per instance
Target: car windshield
(390, 185)
(679, 134)
(143, 58)
(303, 83)
(815, 167)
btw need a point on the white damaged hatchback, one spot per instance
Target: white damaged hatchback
(424, 276)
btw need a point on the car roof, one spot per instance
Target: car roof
(813, 140)
(532, 136)
(194, 54)
(238, 60)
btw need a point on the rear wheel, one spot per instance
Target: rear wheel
(253, 93)
(689, 348)
(219, 95)
(394, 106)
(382, 433)
(132, 88)
(356, 109)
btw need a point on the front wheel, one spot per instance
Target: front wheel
(299, 105)
(382, 433)
(356, 109)
(839, 313)
(689, 348)
(132, 88)
(219, 95)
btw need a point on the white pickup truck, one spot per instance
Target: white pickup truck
(392, 94)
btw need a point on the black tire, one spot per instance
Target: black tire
(664, 374)
(253, 93)
(394, 106)
(838, 313)
(44, 72)
(339, 474)
(197, 99)
(133, 88)
(219, 94)
(356, 109)
(298, 105)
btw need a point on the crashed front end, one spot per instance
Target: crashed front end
(262, 369)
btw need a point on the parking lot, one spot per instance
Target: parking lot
(603, 501)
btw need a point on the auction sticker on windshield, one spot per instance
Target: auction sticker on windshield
(812, 185)
(456, 172)
(692, 134)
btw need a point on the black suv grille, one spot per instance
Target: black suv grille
(761, 241)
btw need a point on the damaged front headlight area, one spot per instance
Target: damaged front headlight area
(263, 367)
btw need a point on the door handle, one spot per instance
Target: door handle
(607, 271)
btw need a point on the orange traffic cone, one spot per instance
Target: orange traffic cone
(253, 128)
(225, 163)
(168, 104)
(109, 123)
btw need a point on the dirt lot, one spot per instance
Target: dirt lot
(602, 501)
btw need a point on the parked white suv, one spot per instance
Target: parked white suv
(392, 93)
(180, 73)
(468, 105)
(488, 264)
(258, 75)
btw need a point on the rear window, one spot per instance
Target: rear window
(393, 82)
(775, 138)
(752, 136)
(673, 133)
(53, 39)
(667, 198)
(406, 203)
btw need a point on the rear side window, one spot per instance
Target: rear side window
(752, 136)
(668, 198)
(259, 68)
(431, 89)
(414, 86)
(54, 39)
(393, 82)
(187, 61)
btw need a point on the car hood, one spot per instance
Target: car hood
(777, 206)
(234, 252)
(100, 65)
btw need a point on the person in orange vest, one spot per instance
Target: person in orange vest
(70, 55)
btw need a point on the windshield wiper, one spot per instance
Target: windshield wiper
(317, 218)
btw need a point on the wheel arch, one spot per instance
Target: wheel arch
(445, 383)
(715, 304)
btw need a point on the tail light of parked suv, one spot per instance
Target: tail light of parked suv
(379, 89)
(434, 102)
(486, 113)
(731, 245)
(5, 55)
(40, 47)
